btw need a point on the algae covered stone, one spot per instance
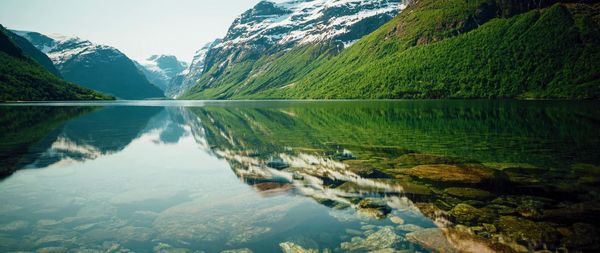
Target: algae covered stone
(464, 174)
(535, 234)
(382, 239)
(290, 247)
(468, 215)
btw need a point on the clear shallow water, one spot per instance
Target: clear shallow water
(173, 176)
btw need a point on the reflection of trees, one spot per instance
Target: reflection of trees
(389, 137)
(46, 135)
(23, 127)
(552, 132)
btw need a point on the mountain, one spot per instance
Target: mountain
(160, 69)
(526, 49)
(22, 78)
(32, 52)
(184, 81)
(297, 32)
(98, 67)
(436, 49)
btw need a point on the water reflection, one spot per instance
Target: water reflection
(445, 176)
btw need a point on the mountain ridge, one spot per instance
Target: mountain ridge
(23, 79)
(413, 56)
(98, 67)
(270, 29)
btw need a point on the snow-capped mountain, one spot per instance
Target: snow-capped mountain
(277, 26)
(160, 69)
(305, 21)
(271, 28)
(182, 82)
(99, 67)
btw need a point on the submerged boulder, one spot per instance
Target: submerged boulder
(468, 215)
(462, 174)
(364, 168)
(432, 239)
(450, 240)
(375, 208)
(382, 239)
(534, 235)
(583, 236)
(290, 247)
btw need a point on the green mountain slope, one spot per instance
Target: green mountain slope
(30, 51)
(21, 78)
(271, 71)
(451, 48)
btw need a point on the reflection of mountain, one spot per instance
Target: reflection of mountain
(103, 132)
(170, 123)
(46, 135)
(507, 172)
(22, 127)
(487, 130)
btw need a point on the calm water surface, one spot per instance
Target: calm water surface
(345, 176)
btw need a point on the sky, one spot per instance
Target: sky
(138, 28)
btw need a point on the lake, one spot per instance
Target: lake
(300, 176)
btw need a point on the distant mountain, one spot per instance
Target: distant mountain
(295, 32)
(22, 78)
(99, 67)
(160, 69)
(184, 81)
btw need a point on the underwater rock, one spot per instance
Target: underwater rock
(468, 215)
(462, 174)
(468, 193)
(397, 220)
(583, 211)
(524, 205)
(52, 250)
(364, 169)
(501, 209)
(535, 234)
(409, 227)
(432, 239)
(413, 188)
(85, 227)
(376, 208)
(130, 233)
(85, 250)
(381, 239)
(372, 213)
(290, 247)
(53, 239)
(166, 248)
(352, 187)
(47, 222)
(353, 232)
(430, 210)
(14, 226)
(449, 240)
(244, 250)
(583, 236)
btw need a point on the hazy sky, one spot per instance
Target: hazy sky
(139, 28)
